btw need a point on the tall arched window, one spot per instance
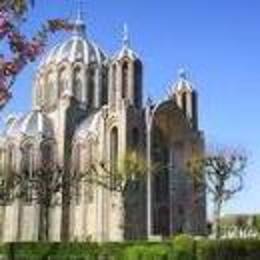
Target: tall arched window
(77, 84)
(114, 149)
(125, 75)
(47, 153)
(91, 87)
(28, 162)
(104, 86)
(114, 80)
(184, 102)
(138, 83)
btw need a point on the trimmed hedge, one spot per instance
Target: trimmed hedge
(228, 250)
(181, 248)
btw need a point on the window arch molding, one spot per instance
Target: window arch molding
(78, 82)
(114, 147)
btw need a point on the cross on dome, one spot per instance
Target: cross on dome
(183, 74)
(80, 26)
(126, 41)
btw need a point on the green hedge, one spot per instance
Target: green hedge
(228, 250)
(181, 248)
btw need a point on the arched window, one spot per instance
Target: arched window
(77, 84)
(138, 83)
(47, 153)
(91, 87)
(125, 75)
(28, 162)
(194, 109)
(114, 149)
(184, 102)
(113, 88)
(104, 86)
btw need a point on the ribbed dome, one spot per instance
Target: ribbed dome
(31, 125)
(76, 48)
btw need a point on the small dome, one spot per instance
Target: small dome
(183, 82)
(31, 125)
(76, 48)
(89, 127)
(126, 50)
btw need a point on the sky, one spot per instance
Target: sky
(217, 42)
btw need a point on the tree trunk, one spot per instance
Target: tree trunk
(44, 223)
(217, 211)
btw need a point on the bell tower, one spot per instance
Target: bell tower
(187, 98)
(126, 76)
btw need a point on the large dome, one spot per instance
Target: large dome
(77, 48)
(75, 68)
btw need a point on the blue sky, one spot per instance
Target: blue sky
(217, 41)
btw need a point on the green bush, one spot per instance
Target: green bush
(54, 250)
(228, 250)
(181, 248)
(184, 248)
(148, 251)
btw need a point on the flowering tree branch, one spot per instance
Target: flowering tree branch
(22, 50)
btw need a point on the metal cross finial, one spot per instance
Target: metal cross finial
(182, 73)
(79, 23)
(125, 36)
(79, 16)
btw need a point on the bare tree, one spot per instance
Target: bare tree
(126, 179)
(222, 174)
(130, 169)
(48, 186)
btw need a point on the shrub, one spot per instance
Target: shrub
(184, 248)
(148, 251)
(228, 250)
(181, 248)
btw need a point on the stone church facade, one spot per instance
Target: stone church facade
(89, 107)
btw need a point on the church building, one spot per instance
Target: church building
(88, 106)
